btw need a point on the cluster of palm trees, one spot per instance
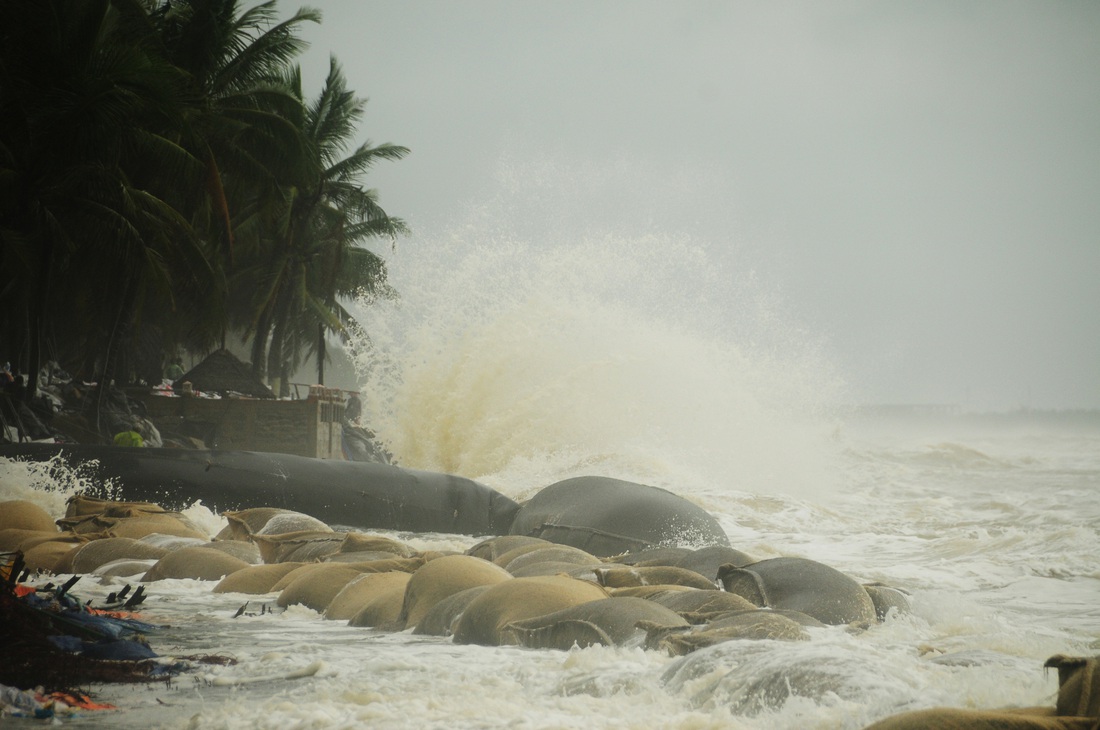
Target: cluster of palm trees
(164, 184)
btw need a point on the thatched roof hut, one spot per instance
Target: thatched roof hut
(221, 372)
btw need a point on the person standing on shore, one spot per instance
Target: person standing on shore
(175, 370)
(353, 408)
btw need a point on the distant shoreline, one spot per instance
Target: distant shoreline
(958, 413)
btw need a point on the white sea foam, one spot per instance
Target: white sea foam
(524, 358)
(49, 484)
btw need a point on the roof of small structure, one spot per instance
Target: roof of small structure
(221, 372)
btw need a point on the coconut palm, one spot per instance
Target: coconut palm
(236, 61)
(141, 142)
(83, 236)
(325, 214)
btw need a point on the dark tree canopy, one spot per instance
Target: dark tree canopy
(165, 184)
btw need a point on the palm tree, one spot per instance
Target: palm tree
(325, 214)
(236, 61)
(82, 235)
(154, 151)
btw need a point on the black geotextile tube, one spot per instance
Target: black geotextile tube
(606, 517)
(341, 493)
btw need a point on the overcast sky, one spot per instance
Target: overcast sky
(921, 180)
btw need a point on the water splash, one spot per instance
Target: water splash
(521, 357)
(50, 483)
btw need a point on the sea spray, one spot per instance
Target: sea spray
(50, 483)
(520, 359)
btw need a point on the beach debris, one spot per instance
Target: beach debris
(57, 641)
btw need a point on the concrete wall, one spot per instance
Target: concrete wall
(301, 427)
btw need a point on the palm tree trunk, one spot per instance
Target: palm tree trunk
(35, 319)
(110, 353)
(275, 364)
(259, 344)
(321, 354)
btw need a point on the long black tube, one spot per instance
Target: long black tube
(348, 493)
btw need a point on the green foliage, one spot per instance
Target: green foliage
(163, 182)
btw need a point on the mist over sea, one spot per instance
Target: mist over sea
(525, 338)
(521, 354)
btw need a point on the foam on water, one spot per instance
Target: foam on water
(49, 484)
(524, 354)
(999, 580)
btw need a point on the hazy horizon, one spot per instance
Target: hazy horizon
(915, 182)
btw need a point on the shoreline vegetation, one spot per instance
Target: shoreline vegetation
(166, 188)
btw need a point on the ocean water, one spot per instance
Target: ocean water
(638, 356)
(990, 523)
